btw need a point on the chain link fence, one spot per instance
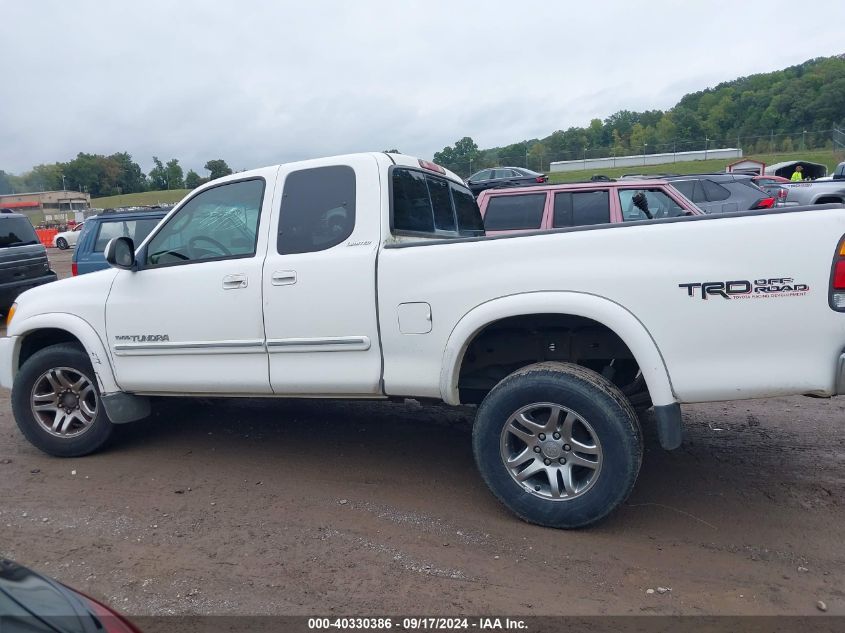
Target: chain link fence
(538, 158)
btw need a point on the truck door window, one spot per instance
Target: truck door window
(428, 205)
(505, 213)
(659, 205)
(581, 208)
(218, 223)
(318, 209)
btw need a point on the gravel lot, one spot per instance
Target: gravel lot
(321, 507)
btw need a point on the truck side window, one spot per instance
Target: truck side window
(427, 204)
(505, 213)
(218, 223)
(581, 208)
(318, 209)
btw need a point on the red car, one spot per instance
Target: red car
(34, 603)
(580, 204)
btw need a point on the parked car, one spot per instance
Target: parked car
(23, 258)
(580, 204)
(99, 229)
(722, 193)
(503, 177)
(66, 239)
(815, 192)
(769, 180)
(838, 174)
(33, 603)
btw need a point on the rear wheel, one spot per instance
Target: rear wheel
(61, 243)
(57, 404)
(558, 444)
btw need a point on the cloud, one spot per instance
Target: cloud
(264, 82)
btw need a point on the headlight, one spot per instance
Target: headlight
(11, 314)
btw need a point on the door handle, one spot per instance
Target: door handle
(231, 282)
(283, 278)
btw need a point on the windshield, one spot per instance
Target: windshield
(16, 232)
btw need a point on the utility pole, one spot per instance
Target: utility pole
(706, 142)
(803, 138)
(645, 147)
(772, 142)
(585, 157)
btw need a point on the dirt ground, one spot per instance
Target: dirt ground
(338, 508)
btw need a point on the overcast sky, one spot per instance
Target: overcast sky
(262, 82)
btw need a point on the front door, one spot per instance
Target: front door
(190, 319)
(320, 280)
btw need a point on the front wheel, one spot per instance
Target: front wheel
(61, 244)
(57, 404)
(558, 444)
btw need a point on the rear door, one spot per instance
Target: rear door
(319, 281)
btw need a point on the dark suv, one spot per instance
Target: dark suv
(23, 258)
(722, 193)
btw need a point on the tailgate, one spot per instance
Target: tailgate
(20, 263)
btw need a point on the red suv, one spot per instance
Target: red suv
(580, 204)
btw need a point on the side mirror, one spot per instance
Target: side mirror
(120, 253)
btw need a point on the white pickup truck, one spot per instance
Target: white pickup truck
(367, 276)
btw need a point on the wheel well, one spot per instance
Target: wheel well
(829, 199)
(39, 339)
(509, 344)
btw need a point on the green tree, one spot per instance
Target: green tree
(461, 158)
(131, 179)
(5, 183)
(173, 173)
(158, 176)
(192, 179)
(217, 168)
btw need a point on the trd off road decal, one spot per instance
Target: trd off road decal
(768, 288)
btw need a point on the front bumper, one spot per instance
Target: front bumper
(8, 360)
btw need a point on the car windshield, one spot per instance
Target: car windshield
(16, 232)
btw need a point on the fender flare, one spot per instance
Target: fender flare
(83, 331)
(600, 309)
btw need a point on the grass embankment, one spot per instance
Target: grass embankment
(140, 199)
(824, 157)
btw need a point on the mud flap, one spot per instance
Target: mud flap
(670, 428)
(125, 407)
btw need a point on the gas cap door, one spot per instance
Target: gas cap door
(414, 318)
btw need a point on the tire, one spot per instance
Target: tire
(71, 382)
(597, 437)
(61, 244)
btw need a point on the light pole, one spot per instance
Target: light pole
(706, 142)
(585, 157)
(645, 147)
(803, 137)
(64, 187)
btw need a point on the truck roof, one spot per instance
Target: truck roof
(396, 159)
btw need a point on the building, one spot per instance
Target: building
(747, 166)
(48, 207)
